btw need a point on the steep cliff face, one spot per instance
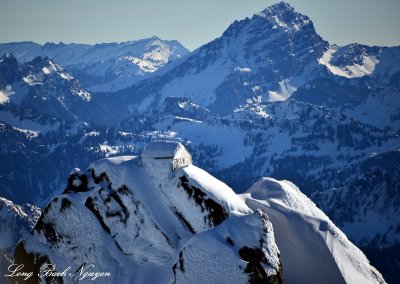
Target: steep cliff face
(15, 222)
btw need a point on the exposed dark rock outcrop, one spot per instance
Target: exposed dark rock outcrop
(217, 213)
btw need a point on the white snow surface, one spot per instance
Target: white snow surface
(5, 95)
(197, 86)
(349, 71)
(217, 190)
(313, 249)
(212, 246)
(165, 149)
(284, 92)
(27, 125)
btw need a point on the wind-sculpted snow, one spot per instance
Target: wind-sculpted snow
(372, 205)
(307, 238)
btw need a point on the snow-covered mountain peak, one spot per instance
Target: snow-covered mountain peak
(277, 18)
(45, 72)
(41, 69)
(188, 226)
(284, 192)
(45, 90)
(161, 227)
(263, 58)
(279, 7)
(282, 15)
(42, 65)
(169, 163)
(351, 61)
(160, 52)
(155, 40)
(6, 55)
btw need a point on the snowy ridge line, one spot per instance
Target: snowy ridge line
(296, 217)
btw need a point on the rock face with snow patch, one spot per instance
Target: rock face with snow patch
(40, 91)
(16, 218)
(15, 222)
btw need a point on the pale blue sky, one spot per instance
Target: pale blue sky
(193, 23)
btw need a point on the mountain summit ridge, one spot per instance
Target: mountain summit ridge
(183, 224)
(145, 213)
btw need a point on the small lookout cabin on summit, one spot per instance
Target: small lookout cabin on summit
(167, 150)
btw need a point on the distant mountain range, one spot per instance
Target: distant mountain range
(106, 66)
(269, 98)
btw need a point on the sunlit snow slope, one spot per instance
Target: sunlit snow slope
(313, 249)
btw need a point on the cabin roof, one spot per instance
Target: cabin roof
(165, 150)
